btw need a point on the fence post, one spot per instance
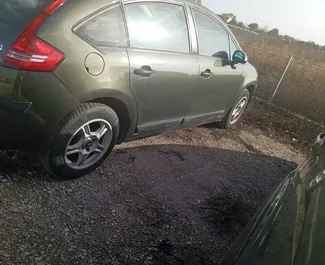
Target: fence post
(283, 74)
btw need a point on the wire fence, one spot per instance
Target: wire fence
(302, 89)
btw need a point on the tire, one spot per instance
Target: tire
(90, 150)
(228, 120)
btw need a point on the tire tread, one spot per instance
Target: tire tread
(44, 157)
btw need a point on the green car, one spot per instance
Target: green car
(79, 76)
(289, 228)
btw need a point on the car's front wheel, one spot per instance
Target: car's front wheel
(237, 110)
(82, 141)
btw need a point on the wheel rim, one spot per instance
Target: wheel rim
(88, 144)
(238, 110)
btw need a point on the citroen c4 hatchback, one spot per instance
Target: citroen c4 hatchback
(79, 76)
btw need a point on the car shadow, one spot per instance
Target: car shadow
(152, 204)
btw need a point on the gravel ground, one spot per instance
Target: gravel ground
(180, 198)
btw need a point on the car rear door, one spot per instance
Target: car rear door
(218, 81)
(163, 73)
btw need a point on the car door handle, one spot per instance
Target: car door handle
(207, 73)
(144, 71)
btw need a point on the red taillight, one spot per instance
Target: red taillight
(50, 9)
(30, 53)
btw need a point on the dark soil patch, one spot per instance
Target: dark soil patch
(286, 127)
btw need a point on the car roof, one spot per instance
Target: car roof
(189, 2)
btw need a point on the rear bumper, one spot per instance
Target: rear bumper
(14, 106)
(31, 106)
(18, 129)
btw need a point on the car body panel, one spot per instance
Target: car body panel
(214, 94)
(13, 19)
(7, 38)
(177, 102)
(250, 75)
(50, 101)
(113, 82)
(163, 99)
(290, 227)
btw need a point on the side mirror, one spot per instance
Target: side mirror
(239, 57)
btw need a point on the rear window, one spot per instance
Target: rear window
(19, 12)
(106, 28)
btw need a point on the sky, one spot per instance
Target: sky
(302, 19)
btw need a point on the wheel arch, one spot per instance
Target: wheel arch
(124, 106)
(252, 88)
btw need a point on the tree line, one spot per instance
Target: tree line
(231, 19)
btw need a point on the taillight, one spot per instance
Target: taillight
(55, 5)
(30, 53)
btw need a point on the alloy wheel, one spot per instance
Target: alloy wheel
(238, 110)
(88, 144)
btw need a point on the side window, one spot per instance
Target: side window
(157, 26)
(105, 29)
(233, 46)
(213, 39)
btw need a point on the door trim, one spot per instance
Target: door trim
(158, 127)
(196, 120)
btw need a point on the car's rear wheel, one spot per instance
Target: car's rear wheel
(82, 141)
(237, 111)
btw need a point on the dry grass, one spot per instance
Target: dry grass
(302, 90)
(299, 50)
(286, 127)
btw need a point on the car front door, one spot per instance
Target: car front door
(218, 80)
(163, 73)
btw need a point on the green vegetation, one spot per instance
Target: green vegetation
(274, 33)
(253, 27)
(302, 89)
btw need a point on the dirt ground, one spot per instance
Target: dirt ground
(180, 198)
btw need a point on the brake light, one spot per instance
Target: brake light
(55, 5)
(30, 53)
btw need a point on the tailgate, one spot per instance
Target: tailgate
(14, 17)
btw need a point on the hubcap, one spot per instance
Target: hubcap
(88, 144)
(238, 110)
